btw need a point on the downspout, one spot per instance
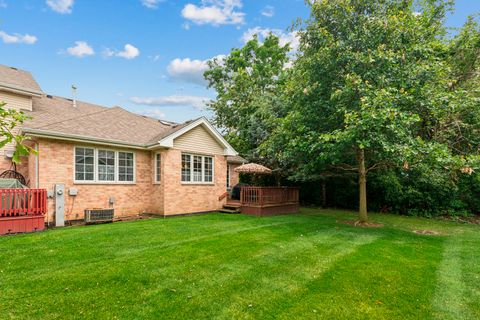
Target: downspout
(37, 170)
(37, 178)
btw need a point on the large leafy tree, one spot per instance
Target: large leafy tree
(248, 84)
(370, 90)
(9, 120)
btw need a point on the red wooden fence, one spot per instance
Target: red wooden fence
(269, 195)
(22, 202)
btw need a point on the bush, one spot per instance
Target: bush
(422, 192)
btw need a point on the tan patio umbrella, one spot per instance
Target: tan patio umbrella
(253, 168)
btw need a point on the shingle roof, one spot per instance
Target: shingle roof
(18, 79)
(57, 115)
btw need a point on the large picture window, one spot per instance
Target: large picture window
(104, 166)
(197, 168)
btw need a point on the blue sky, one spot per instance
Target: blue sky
(144, 55)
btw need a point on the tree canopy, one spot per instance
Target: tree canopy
(377, 85)
(9, 120)
(248, 82)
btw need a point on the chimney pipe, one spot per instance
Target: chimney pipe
(74, 95)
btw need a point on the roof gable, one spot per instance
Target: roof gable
(200, 140)
(19, 81)
(168, 141)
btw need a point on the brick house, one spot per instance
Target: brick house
(116, 159)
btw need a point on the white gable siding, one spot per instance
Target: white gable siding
(16, 101)
(198, 140)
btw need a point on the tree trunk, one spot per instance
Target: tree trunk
(362, 184)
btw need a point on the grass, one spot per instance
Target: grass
(217, 266)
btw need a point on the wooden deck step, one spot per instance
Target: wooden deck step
(233, 204)
(232, 207)
(230, 211)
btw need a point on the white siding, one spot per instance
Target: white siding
(16, 101)
(198, 140)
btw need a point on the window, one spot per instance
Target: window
(186, 167)
(103, 166)
(208, 167)
(197, 169)
(84, 164)
(125, 166)
(228, 176)
(158, 167)
(106, 165)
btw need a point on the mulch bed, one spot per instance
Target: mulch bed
(361, 224)
(427, 232)
(471, 220)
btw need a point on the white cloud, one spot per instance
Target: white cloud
(174, 100)
(215, 12)
(268, 11)
(189, 70)
(81, 49)
(290, 38)
(151, 4)
(152, 113)
(17, 38)
(129, 52)
(3, 4)
(61, 6)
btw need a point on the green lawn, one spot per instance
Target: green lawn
(219, 266)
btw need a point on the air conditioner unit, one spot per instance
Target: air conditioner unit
(99, 215)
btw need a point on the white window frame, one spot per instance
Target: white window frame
(192, 155)
(117, 177)
(115, 166)
(95, 167)
(155, 180)
(75, 164)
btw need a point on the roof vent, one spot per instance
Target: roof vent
(74, 95)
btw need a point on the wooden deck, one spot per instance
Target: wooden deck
(22, 210)
(266, 201)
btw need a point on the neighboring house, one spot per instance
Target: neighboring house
(117, 159)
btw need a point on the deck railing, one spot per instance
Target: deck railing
(23, 202)
(269, 195)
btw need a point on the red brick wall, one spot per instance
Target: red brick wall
(6, 164)
(56, 165)
(188, 198)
